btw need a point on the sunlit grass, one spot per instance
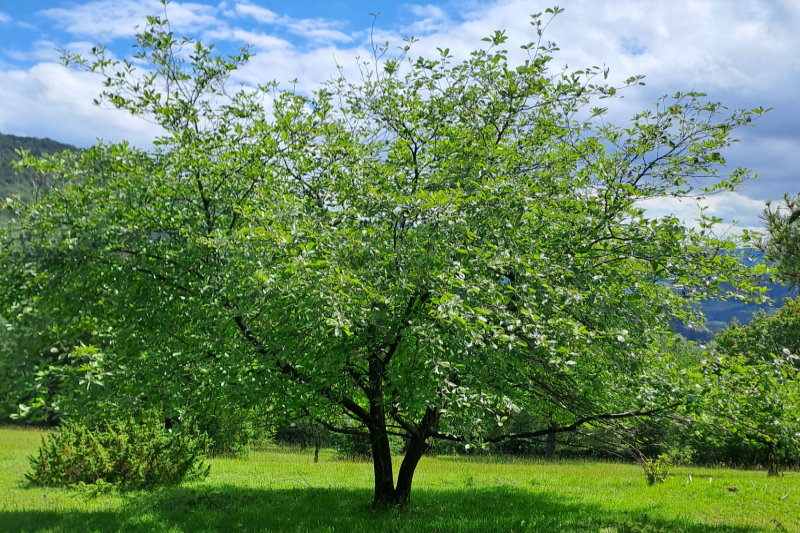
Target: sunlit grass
(284, 490)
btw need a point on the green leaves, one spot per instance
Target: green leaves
(781, 242)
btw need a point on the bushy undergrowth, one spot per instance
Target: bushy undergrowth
(128, 453)
(359, 448)
(656, 470)
(353, 447)
(230, 435)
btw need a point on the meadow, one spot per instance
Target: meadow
(278, 489)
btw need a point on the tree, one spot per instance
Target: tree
(753, 385)
(421, 252)
(782, 242)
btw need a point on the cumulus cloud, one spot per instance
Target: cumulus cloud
(49, 100)
(110, 19)
(737, 210)
(428, 18)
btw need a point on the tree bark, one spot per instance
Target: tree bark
(550, 446)
(416, 448)
(379, 438)
(382, 467)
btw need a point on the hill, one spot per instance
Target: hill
(720, 313)
(24, 184)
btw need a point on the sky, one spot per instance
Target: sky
(743, 53)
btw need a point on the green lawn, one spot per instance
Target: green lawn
(280, 490)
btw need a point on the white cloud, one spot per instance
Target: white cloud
(427, 11)
(109, 19)
(316, 30)
(429, 18)
(49, 100)
(4, 18)
(310, 69)
(261, 41)
(737, 210)
(260, 14)
(42, 50)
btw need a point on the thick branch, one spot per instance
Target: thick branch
(559, 429)
(293, 374)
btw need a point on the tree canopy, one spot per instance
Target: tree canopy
(422, 251)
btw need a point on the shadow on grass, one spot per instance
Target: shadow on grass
(232, 508)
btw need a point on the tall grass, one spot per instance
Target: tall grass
(280, 489)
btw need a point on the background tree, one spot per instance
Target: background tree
(421, 252)
(782, 242)
(754, 389)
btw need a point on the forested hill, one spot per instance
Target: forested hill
(13, 182)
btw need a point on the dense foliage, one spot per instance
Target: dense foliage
(128, 453)
(782, 243)
(23, 350)
(420, 253)
(23, 183)
(754, 387)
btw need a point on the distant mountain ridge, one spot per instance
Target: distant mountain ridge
(13, 182)
(720, 314)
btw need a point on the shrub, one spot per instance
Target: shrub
(231, 435)
(304, 435)
(359, 448)
(129, 453)
(353, 447)
(656, 470)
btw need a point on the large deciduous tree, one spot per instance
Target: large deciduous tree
(420, 252)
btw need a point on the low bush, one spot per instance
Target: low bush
(231, 435)
(131, 453)
(656, 470)
(351, 447)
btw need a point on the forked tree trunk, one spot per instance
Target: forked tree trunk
(416, 448)
(382, 468)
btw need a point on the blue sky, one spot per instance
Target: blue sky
(745, 53)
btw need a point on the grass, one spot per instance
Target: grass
(283, 490)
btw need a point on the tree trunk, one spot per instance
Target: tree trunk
(317, 444)
(773, 466)
(550, 446)
(379, 438)
(416, 448)
(382, 468)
